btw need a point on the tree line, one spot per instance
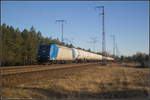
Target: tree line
(139, 57)
(21, 47)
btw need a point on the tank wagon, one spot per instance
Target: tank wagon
(53, 53)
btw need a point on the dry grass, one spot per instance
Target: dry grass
(111, 81)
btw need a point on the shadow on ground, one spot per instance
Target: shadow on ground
(61, 93)
(136, 66)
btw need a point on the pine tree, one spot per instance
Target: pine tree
(24, 52)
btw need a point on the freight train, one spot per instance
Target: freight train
(54, 53)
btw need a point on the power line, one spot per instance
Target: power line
(93, 41)
(103, 29)
(117, 50)
(114, 44)
(62, 26)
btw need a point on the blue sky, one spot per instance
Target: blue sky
(127, 20)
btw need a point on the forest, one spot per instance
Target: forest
(21, 47)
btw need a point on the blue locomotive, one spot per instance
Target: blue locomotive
(53, 53)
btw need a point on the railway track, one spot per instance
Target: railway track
(25, 69)
(12, 79)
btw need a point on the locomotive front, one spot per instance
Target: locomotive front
(43, 53)
(47, 53)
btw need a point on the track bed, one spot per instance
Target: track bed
(25, 69)
(89, 81)
(17, 76)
